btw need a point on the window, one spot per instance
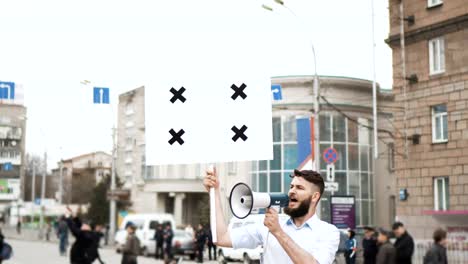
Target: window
(129, 109)
(391, 156)
(436, 55)
(439, 124)
(431, 3)
(232, 168)
(441, 193)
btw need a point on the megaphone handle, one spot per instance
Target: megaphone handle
(214, 232)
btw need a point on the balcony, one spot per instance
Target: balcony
(15, 160)
(10, 135)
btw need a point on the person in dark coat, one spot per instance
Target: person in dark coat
(437, 254)
(200, 241)
(131, 249)
(404, 244)
(369, 245)
(386, 253)
(2, 239)
(84, 240)
(98, 234)
(168, 235)
(62, 235)
(211, 245)
(351, 247)
(159, 240)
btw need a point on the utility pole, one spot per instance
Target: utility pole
(374, 89)
(61, 182)
(112, 210)
(316, 150)
(43, 187)
(403, 71)
(33, 186)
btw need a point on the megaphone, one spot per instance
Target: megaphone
(242, 200)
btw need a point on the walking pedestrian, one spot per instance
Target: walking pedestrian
(437, 254)
(369, 245)
(62, 235)
(84, 239)
(48, 230)
(94, 252)
(211, 245)
(106, 235)
(168, 236)
(351, 247)
(404, 244)
(2, 238)
(18, 227)
(159, 239)
(386, 253)
(131, 249)
(200, 241)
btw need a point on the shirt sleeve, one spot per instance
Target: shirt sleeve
(246, 237)
(329, 245)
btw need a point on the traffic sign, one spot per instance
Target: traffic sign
(331, 186)
(101, 95)
(331, 172)
(277, 93)
(7, 90)
(118, 194)
(330, 155)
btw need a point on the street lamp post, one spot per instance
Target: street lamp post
(315, 90)
(43, 187)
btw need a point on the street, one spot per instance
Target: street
(28, 252)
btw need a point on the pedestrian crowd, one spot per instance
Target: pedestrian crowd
(378, 249)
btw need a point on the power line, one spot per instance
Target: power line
(363, 125)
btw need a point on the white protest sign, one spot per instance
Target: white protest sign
(208, 119)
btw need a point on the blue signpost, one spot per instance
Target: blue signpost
(101, 95)
(7, 90)
(277, 92)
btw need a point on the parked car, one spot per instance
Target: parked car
(146, 225)
(243, 254)
(182, 245)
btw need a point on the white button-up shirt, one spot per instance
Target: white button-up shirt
(317, 237)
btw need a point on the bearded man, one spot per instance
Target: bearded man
(303, 238)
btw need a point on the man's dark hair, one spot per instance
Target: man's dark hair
(368, 228)
(386, 233)
(439, 235)
(352, 234)
(311, 176)
(397, 225)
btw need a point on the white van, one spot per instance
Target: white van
(243, 254)
(146, 225)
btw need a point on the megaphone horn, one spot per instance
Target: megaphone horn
(242, 200)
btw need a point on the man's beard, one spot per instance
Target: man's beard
(300, 211)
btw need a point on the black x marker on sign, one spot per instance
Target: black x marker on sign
(238, 91)
(239, 133)
(176, 136)
(177, 95)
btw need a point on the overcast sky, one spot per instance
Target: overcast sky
(50, 46)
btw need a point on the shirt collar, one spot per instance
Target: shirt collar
(307, 223)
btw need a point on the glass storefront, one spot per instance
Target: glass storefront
(353, 170)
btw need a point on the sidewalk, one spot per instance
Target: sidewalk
(28, 234)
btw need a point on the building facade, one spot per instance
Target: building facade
(430, 78)
(178, 189)
(12, 151)
(346, 125)
(79, 176)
